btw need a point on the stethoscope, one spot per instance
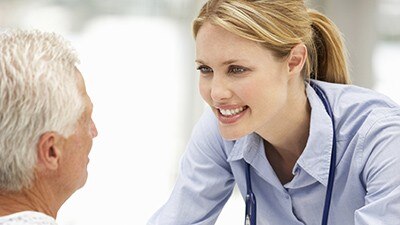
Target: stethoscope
(251, 198)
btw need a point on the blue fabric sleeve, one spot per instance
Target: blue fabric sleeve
(205, 179)
(381, 173)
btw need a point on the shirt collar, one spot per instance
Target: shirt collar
(316, 156)
(248, 145)
(251, 149)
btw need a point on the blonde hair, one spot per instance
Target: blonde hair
(279, 25)
(39, 93)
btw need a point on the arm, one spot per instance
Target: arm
(381, 174)
(205, 180)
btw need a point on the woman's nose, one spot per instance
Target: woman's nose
(220, 89)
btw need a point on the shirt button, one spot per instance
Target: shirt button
(287, 196)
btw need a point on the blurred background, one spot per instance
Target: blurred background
(137, 57)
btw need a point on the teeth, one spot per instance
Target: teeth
(231, 112)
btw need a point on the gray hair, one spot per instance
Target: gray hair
(38, 94)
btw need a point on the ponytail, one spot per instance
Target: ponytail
(327, 59)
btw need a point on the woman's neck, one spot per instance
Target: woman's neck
(288, 132)
(285, 137)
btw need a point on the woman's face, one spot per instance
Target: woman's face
(245, 85)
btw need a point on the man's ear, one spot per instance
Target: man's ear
(297, 58)
(48, 151)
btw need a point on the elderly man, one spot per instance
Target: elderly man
(46, 129)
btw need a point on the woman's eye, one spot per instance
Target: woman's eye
(204, 69)
(236, 69)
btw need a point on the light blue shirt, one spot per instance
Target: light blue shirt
(367, 180)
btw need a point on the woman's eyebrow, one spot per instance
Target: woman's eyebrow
(223, 63)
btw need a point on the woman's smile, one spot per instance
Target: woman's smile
(229, 114)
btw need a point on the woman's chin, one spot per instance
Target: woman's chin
(230, 134)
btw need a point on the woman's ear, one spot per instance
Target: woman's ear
(48, 151)
(297, 58)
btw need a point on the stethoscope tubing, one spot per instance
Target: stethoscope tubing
(251, 205)
(332, 166)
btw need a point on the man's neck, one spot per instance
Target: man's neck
(28, 200)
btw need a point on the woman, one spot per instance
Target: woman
(303, 146)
